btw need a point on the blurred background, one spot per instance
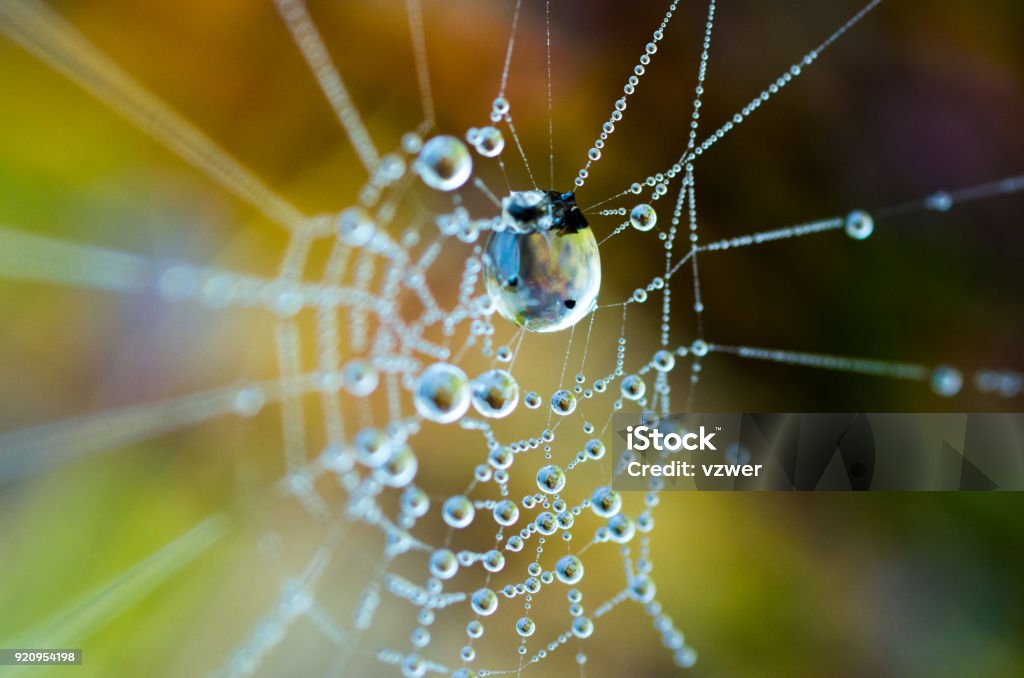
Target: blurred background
(920, 96)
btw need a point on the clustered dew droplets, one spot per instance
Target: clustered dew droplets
(540, 270)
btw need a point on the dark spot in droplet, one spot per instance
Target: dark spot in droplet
(512, 282)
(570, 303)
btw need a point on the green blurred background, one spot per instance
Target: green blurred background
(920, 96)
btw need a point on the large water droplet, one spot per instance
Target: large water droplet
(495, 394)
(525, 627)
(621, 529)
(442, 393)
(399, 469)
(594, 448)
(663, 361)
(551, 479)
(606, 502)
(458, 511)
(643, 217)
(444, 163)
(484, 602)
(443, 564)
(642, 589)
(415, 502)
(489, 142)
(543, 280)
(582, 627)
(569, 569)
(494, 561)
(372, 447)
(506, 512)
(633, 387)
(563, 402)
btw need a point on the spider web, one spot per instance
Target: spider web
(381, 305)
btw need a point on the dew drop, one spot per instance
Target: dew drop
(355, 227)
(442, 393)
(582, 627)
(443, 564)
(360, 378)
(543, 280)
(569, 569)
(633, 387)
(495, 394)
(415, 502)
(525, 627)
(939, 202)
(489, 142)
(373, 447)
(946, 381)
(563, 402)
(859, 225)
(642, 589)
(506, 513)
(664, 361)
(494, 561)
(685, 657)
(551, 479)
(643, 217)
(546, 523)
(621, 529)
(457, 511)
(413, 666)
(399, 469)
(249, 401)
(484, 602)
(605, 502)
(594, 448)
(444, 163)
